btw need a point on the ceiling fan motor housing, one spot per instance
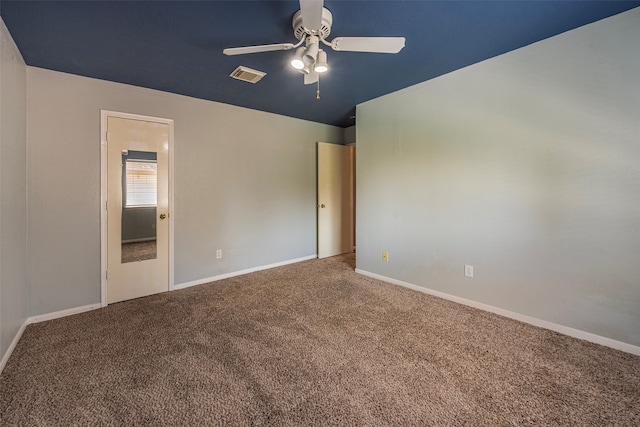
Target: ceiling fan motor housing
(301, 32)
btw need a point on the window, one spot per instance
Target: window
(141, 183)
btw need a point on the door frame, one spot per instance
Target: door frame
(104, 114)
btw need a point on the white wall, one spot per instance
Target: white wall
(13, 236)
(526, 166)
(244, 183)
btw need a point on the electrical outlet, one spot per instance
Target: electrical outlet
(385, 256)
(468, 270)
(219, 253)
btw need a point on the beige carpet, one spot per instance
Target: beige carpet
(311, 344)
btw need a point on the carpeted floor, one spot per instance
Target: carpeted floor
(310, 344)
(138, 251)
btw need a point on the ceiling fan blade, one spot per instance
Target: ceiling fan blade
(311, 78)
(368, 44)
(257, 49)
(311, 14)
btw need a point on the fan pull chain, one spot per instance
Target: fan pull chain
(318, 90)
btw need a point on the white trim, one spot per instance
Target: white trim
(103, 208)
(103, 194)
(575, 333)
(12, 347)
(43, 318)
(172, 211)
(62, 313)
(82, 309)
(241, 272)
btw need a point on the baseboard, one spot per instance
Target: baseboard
(82, 309)
(42, 318)
(12, 347)
(575, 333)
(144, 239)
(62, 313)
(241, 272)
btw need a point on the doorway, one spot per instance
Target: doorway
(336, 199)
(137, 199)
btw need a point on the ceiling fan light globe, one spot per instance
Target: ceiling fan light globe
(321, 65)
(297, 61)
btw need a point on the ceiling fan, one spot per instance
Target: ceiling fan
(311, 26)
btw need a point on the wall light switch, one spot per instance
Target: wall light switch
(468, 270)
(219, 253)
(385, 256)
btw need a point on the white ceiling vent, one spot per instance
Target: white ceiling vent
(247, 74)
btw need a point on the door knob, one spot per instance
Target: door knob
(322, 205)
(163, 216)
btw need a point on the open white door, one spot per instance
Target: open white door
(335, 199)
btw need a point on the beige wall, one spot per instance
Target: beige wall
(244, 183)
(525, 166)
(13, 237)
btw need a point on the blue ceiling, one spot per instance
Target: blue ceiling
(176, 46)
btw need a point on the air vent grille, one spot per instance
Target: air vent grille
(247, 74)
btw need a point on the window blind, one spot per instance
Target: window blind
(141, 180)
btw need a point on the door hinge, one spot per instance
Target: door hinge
(106, 275)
